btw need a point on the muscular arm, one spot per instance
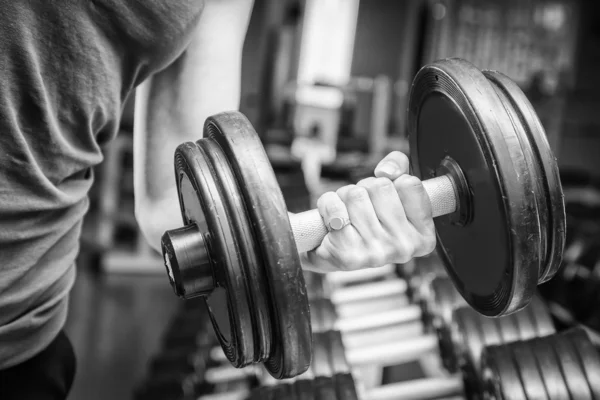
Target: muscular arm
(171, 108)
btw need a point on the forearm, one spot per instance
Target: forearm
(171, 108)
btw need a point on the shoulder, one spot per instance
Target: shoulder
(158, 30)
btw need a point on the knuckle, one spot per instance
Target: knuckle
(401, 159)
(404, 251)
(360, 261)
(410, 180)
(366, 182)
(429, 243)
(357, 194)
(382, 184)
(343, 191)
(326, 197)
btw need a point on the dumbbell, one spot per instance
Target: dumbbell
(576, 286)
(437, 305)
(332, 361)
(460, 342)
(181, 385)
(487, 167)
(334, 379)
(561, 366)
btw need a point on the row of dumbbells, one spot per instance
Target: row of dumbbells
(186, 366)
(368, 312)
(574, 292)
(463, 338)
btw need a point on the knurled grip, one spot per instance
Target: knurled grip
(309, 228)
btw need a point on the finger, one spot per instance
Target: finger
(386, 202)
(361, 211)
(392, 166)
(333, 211)
(415, 201)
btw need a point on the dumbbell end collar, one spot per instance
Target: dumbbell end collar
(187, 262)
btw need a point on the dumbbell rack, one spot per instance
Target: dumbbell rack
(572, 294)
(221, 381)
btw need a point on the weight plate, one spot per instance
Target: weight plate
(279, 392)
(442, 300)
(202, 204)
(253, 274)
(316, 315)
(324, 388)
(555, 226)
(549, 368)
(329, 314)
(540, 315)
(291, 348)
(571, 367)
(323, 315)
(527, 368)
(261, 393)
(533, 166)
(345, 387)
(500, 377)
(454, 112)
(465, 343)
(321, 365)
(337, 353)
(527, 328)
(490, 334)
(303, 390)
(589, 357)
(508, 328)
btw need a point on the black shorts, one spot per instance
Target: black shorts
(47, 376)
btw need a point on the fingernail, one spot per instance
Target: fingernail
(388, 169)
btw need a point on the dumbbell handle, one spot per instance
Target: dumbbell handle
(309, 228)
(386, 354)
(418, 389)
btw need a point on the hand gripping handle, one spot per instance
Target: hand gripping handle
(310, 229)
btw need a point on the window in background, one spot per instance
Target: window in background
(327, 41)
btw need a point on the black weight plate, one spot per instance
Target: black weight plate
(589, 357)
(316, 315)
(260, 393)
(324, 388)
(337, 353)
(533, 165)
(455, 112)
(291, 346)
(571, 367)
(526, 324)
(443, 299)
(303, 390)
(279, 392)
(345, 387)
(321, 365)
(528, 370)
(550, 177)
(541, 317)
(329, 314)
(500, 377)
(202, 203)
(548, 365)
(466, 342)
(253, 273)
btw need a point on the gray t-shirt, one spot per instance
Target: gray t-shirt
(66, 68)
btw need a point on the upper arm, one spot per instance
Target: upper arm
(172, 105)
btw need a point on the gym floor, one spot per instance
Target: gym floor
(115, 324)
